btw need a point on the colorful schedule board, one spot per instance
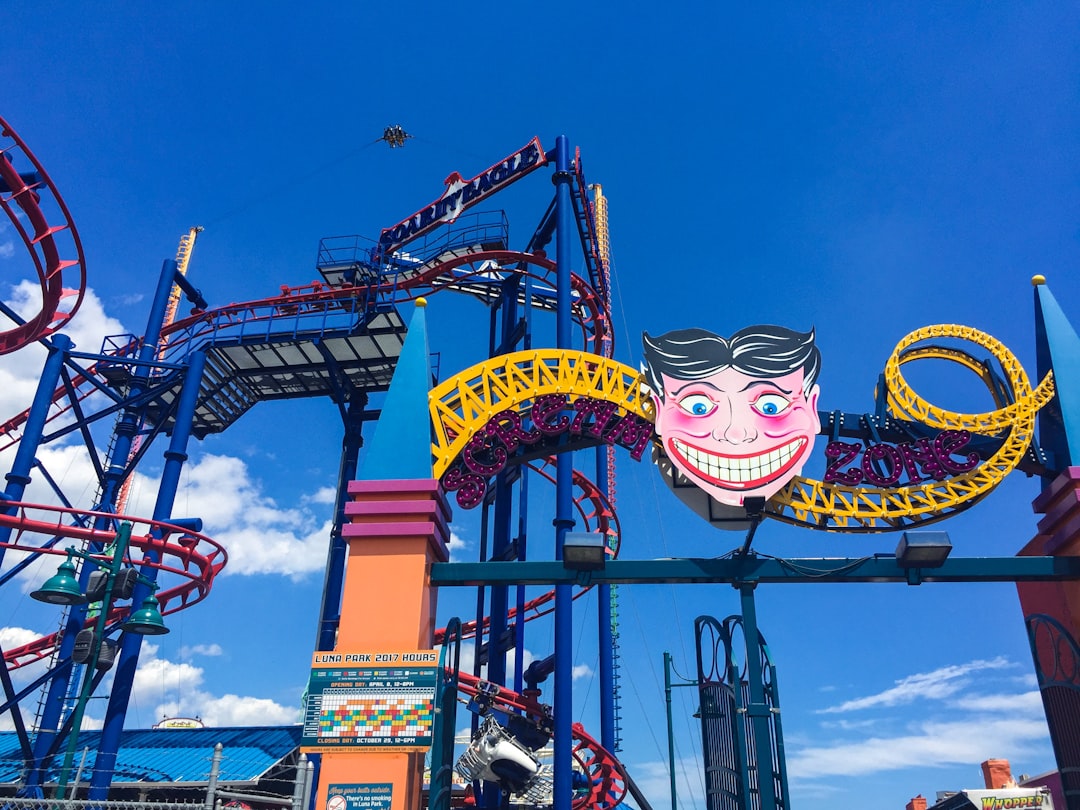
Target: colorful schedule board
(377, 701)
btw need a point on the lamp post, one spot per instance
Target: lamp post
(668, 686)
(63, 589)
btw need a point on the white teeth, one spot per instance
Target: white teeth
(738, 470)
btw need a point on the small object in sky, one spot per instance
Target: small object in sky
(395, 136)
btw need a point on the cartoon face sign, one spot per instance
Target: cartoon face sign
(737, 416)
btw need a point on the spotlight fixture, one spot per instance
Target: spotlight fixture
(584, 551)
(923, 549)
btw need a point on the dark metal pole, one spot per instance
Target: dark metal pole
(123, 537)
(758, 710)
(670, 730)
(564, 497)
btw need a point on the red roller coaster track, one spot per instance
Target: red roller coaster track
(451, 270)
(606, 775)
(189, 556)
(196, 559)
(24, 193)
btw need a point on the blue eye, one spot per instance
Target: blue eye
(771, 405)
(697, 405)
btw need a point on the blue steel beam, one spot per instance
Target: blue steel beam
(564, 495)
(131, 643)
(751, 568)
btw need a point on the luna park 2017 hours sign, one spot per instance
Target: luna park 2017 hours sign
(733, 420)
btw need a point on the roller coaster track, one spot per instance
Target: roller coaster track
(463, 404)
(605, 774)
(478, 272)
(195, 558)
(192, 558)
(817, 504)
(313, 309)
(54, 246)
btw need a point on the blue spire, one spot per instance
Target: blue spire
(401, 445)
(1057, 347)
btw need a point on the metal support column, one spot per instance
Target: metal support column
(564, 500)
(334, 577)
(605, 642)
(19, 477)
(758, 710)
(131, 644)
(115, 472)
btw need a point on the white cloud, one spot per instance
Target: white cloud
(939, 684)
(581, 671)
(169, 688)
(12, 638)
(457, 543)
(969, 727)
(16, 636)
(7, 249)
(235, 710)
(20, 370)
(201, 649)
(1027, 703)
(324, 495)
(176, 690)
(259, 536)
(931, 745)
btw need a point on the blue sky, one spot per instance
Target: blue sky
(865, 169)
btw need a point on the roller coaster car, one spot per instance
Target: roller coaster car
(495, 755)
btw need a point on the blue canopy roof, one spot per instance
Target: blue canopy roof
(173, 755)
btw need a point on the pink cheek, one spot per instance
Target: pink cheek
(682, 422)
(797, 420)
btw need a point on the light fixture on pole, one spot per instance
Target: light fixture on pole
(584, 551)
(110, 582)
(923, 549)
(146, 621)
(62, 588)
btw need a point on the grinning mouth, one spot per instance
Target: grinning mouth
(738, 472)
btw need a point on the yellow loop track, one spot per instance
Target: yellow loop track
(465, 403)
(813, 503)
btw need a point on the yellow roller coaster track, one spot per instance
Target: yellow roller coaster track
(843, 508)
(463, 404)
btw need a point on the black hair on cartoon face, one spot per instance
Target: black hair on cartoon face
(758, 351)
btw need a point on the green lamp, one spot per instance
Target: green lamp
(146, 621)
(62, 588)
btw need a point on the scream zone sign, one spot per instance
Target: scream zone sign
(733, 418)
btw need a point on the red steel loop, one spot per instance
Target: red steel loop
(190, 557)
(606, 776)
(53, 243)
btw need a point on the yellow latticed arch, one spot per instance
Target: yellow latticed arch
(832, 506)
(465, 403)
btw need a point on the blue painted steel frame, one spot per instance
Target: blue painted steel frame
(126, 428)
(19, 477)
(175, 456)
(564, 496)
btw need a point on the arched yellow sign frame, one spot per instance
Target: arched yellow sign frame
(463, 405)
